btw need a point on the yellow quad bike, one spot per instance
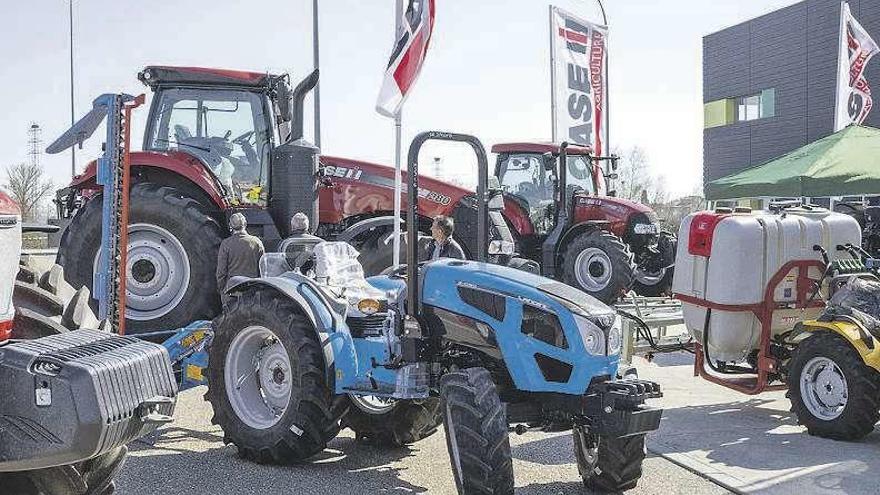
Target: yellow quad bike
(833, 374)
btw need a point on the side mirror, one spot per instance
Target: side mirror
(549, 161)
(614, 160)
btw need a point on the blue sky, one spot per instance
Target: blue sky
(487, 71)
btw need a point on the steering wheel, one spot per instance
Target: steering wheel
(244, 138)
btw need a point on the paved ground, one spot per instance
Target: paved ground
(190, 458)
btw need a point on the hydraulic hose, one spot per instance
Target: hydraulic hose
(644, 332)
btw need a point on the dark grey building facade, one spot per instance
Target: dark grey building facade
(769, 83)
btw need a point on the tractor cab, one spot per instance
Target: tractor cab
(528, 174)
(223, 118)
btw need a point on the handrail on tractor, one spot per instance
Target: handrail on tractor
(412, 228)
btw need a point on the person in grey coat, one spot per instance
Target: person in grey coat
(239, 254)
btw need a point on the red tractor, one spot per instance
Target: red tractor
(223, 141)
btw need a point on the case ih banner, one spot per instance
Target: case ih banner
(579, 80)
(854, 100)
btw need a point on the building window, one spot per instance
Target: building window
(756, 106)
(741, 109)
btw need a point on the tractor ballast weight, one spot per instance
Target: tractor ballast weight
(78, 395)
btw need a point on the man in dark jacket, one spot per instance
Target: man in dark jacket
(442, 244)
(239, 254)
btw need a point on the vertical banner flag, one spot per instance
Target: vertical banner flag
(854, 100)
(579, 80)
(408, 56)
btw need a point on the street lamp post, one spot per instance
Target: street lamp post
(72, 109)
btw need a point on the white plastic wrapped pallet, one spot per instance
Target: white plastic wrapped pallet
(744, 251)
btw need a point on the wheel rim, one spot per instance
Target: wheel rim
(593, 269)
(258, 377)
(157, 272)
(589, 454)
(824, 388)
(371, 404)
(649, 278)
(452, 442)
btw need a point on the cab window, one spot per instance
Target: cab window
(525, 177)
(225, 129)
(580, 174)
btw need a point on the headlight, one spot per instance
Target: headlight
(368, 306)
(646, 228)
(593, 336)
(615, 337)
(500, 247)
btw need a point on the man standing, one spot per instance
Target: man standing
(442, 244)
(239, 254)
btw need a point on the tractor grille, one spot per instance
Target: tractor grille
(366, 326)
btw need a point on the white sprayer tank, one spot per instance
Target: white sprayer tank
(729, 258)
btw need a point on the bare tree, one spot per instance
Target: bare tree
(28, 187)
(633, 176)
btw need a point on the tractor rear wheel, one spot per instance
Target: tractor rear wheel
(832, 392)
(172, 257)
(609, 464)
(267, 381)
(476, 433)
(392, 423)
(598, 263)
(40, 311)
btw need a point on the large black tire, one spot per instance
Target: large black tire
(861, 410)
(476, 433)
(40, 312)
(609, 464)
(179, 215)
(309, 420)
(662, 287)
(376, 256)
(405, 422)
(590, 274)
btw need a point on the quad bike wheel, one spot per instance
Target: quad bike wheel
(50, 308)
(832, 392)
(267, 381)
(172, 257)
(392, 423)
(608, 464)
(598, 263)
(476, 433)
(656, 283)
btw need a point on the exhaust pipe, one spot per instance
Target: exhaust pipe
(299, 96)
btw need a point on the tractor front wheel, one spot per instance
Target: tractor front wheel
(267, 381)
(832, 392)
(609, 464)
(598, 263)
(476, 433)
(392, 423)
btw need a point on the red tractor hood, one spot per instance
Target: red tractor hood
(360, 188)
(618, 205)
(8, 206)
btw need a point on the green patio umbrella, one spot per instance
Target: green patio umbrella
(842, 164)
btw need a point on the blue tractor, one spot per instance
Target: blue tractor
(312, 346)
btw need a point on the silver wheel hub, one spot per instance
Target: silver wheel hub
(823, 388)
(258, 377)
(371, 404)
(157, 272)
(649, 278)
(593, 269)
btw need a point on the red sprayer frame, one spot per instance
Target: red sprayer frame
(763, 311)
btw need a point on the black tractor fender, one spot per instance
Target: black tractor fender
(576, 230)
(340, 358)
(367, 225)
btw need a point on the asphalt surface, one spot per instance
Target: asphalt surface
(188, 457)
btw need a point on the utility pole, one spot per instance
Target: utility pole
(72, 110)
(317, 62)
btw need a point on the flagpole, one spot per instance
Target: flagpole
(841, 66)
(607, 150)
(398, 179)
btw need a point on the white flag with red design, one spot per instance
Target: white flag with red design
(408, 56)
(854, 101)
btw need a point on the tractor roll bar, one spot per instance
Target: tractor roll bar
(412, 227)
